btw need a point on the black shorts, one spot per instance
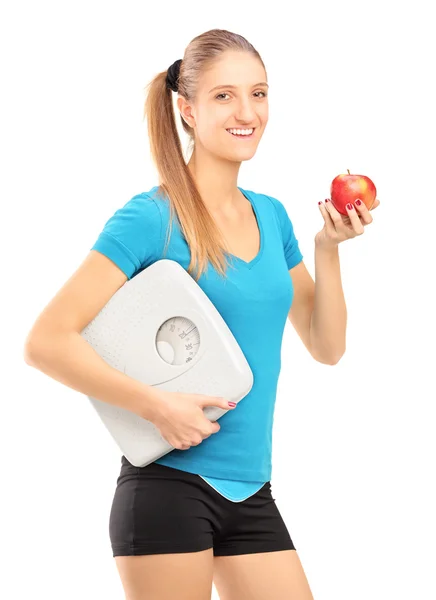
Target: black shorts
(159, 510)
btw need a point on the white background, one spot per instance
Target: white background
(351, 87)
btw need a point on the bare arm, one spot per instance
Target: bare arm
(318, 311)
(68, 358)
(55, 345)
(328, 324)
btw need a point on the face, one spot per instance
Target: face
(240, 102)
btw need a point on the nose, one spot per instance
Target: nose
(246, 112)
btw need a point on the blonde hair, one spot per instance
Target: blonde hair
(176, 182)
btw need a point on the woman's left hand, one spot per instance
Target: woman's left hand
(338, 228)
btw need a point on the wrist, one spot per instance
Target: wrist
(151, 403)
(327, 249)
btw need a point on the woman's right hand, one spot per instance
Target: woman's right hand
(180, 418)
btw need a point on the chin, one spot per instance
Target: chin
(238, 156)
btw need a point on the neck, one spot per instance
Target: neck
(216, 180)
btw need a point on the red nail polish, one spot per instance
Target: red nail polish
(319, 202)
(358, 202)
(350, 206)
(327, 200)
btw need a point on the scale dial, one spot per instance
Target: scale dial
(177, 341)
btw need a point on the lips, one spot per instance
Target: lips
(242, 136)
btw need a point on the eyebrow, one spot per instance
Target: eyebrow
(233, 87)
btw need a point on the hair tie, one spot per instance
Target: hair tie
(173, 75)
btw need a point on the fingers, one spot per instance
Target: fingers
(334, 214)
(339, 227)
(329, 225)
(357, 227)
(353, 215)
(363, 211)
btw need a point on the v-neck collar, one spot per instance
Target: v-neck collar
(250, 264)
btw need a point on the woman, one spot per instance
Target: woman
(204, 512)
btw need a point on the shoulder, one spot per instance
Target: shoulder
(262, 197)
(274, 204)
(138, 216)
(131, 237)
(142, 203)
(139, 211)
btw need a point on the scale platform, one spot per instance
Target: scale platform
(162, 329)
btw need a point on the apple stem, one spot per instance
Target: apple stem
(348, 171)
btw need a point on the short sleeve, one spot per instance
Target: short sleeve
(291, 248)
(131, 236)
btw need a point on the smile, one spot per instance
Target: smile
(243, 133)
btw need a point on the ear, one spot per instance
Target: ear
(186, 111)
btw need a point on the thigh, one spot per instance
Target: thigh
(161, 532)
(185, 576)
(255, 525)
(255, 557)
(277, 575)
(159, 510)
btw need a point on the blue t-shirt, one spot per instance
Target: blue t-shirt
(254, 301)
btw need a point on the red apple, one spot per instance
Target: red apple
(347, 188)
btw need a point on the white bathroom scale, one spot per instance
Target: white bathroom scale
(162, 329)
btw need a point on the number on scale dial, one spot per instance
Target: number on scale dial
(177, 341)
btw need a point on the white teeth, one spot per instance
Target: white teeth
(240, 131)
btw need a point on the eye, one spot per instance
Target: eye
(225, 94)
